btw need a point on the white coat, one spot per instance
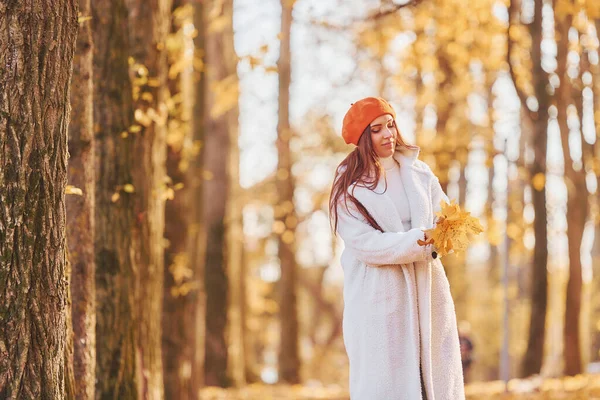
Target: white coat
(398, 310)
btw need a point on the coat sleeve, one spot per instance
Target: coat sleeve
(376, 248)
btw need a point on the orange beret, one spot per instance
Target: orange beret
(361, 114)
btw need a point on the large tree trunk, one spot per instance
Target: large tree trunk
(532, 362)
(118, 368)
(149, 24)
(80, 212)
(182, 275)
(37, 43)
(576, 207)
(221, 100)
(289, 362)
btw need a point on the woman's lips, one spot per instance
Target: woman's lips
(388, 145)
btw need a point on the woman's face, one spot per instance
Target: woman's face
(383, 135)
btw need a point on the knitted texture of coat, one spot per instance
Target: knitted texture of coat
(398, 310)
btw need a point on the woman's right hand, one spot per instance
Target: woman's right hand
(427, 240)
(427, 236)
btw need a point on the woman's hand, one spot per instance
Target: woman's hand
(427, 240)
(427, 236)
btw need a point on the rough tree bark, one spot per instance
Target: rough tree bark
(532, 361)
(289, 362)
(220, 95)
(37, 43)
(80, 212)
(118, 367)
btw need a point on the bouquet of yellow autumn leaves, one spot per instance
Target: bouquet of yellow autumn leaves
(452, 230)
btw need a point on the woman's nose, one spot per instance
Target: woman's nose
(387, 133)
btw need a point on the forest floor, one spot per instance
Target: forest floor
(572, 388)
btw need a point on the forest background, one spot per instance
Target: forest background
(165, 169)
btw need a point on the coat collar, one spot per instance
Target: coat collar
(407, 155)
(381, 205)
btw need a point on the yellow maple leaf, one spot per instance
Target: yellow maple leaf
(453, 227)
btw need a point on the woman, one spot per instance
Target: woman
(399, 321)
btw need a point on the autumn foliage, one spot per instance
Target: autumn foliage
(453, 229)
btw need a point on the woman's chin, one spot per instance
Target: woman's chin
(386, 152)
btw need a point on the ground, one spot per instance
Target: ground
(572, 388)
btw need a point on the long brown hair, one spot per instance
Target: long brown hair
(360, 168)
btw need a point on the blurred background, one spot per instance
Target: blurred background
(217, 133)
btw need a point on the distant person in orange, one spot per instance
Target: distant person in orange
(399, 321)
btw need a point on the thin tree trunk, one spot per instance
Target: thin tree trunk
(235, 246)
(149, 26)
(181, 275)
(576, 207)
(68, 359)
(197, 234)
(80, 212)
(180, 291)
(118, 369)
(587, 158)
(37, 43)
(419, 86)
(289, 361)
(494, 273)
(594, 154)
(532, 362)
(595, 70)
(462, 186)
(251, 356)
(445, 153)
(218, 50)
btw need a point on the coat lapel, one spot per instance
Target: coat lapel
(421, 217)
(381, 206)
(418, 194)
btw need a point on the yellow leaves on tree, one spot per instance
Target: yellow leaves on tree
(592, 8)
(453, 228)
(218, 20)
(564, 8)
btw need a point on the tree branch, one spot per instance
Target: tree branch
(393, 9)
(382, 13)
